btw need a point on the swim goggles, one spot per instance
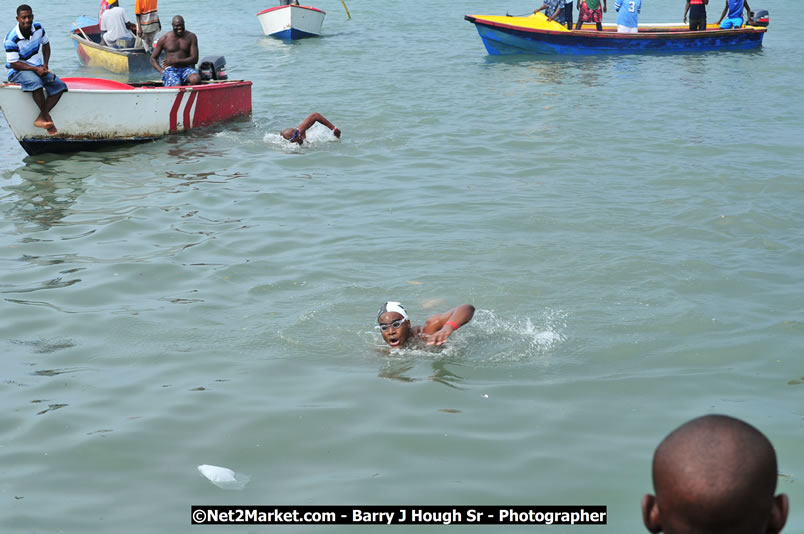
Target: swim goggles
(395, 324)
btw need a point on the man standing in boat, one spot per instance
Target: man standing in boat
(697, 11)
(554, 10)
(27, 56)
(148, 24)
(628, 15)
(591, 11)
(181, 55)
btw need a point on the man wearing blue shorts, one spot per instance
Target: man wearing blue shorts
(735, 9)
(181, 55)
(27, 55)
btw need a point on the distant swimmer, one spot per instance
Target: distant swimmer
(396, 330)
(181, 55)
(27, 56)
(299, 133)
(715, 475)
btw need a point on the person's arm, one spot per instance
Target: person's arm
(439, 327)
(544, 6)
(21, 65)
(137, 13)
(193, 59)
(160, 44)
(45, 58)
(555, 14)
(725, 10)
(604, 6)
(312, 119)
(748, 11)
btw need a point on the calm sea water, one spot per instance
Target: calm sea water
(630, 229)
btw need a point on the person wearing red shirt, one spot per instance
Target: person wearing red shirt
(697, 11)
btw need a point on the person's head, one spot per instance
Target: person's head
(715, 475)
(292, 135)
(112, 3)
(178, 25)
(25, 17)
(394, 324)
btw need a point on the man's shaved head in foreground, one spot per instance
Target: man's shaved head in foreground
(712, 475)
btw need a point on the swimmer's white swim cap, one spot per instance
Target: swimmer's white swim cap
(392, 306)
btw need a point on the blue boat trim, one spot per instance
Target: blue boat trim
(292, 34)
(505, 40)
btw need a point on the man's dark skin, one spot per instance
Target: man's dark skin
(181, 50)
(44, 103)
(715, 475)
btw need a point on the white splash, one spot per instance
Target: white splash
(224, 478)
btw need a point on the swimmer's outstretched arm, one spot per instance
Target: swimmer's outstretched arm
(314, 118)
(439, 327)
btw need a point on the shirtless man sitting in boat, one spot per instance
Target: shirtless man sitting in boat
(181, 55)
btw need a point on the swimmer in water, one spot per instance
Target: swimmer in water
(396, 329)
(299, 133)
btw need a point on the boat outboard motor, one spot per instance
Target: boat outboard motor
(213, 68)
(760, 17)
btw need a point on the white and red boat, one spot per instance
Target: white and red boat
(291, 22)
(96, 112)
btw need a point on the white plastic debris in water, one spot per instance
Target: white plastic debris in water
(223, 477)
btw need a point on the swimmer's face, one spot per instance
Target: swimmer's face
(290, 135)
(394, 336)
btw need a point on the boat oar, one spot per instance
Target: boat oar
(82, 32)
(347, 9)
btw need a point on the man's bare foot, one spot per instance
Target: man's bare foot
(52, 130)
(42, 123)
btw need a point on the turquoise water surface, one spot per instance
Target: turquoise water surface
(629, 228)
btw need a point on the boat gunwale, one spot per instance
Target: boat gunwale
(275, 8)
(150, 87)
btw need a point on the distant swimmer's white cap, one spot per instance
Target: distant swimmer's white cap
(392, 306)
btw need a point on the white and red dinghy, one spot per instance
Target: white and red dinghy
(291, 22)
(96, 112)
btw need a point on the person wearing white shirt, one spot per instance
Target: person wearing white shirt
(117, 27)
